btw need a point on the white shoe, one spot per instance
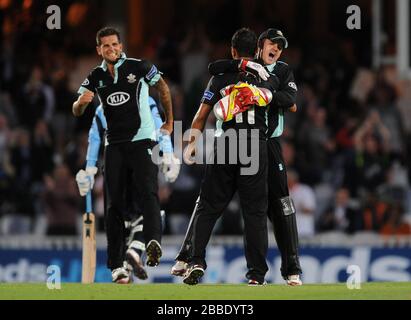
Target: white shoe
(120, 276)
(179, 269)
(255, 283)
(294, 280)
(193, 275)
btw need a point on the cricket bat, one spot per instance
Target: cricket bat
(88, 269)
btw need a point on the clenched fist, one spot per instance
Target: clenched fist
(83, 100)
(86, 98)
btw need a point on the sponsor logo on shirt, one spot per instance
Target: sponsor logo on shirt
(208, 95)
(117, 98)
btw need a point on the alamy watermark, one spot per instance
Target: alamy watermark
(354, 280)
(354, 20)
(54, 20)
(54, 277)
(232, 146)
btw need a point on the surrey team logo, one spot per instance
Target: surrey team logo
(131, 78)
(86, 82)
(117, 98)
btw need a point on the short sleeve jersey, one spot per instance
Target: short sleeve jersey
(125, 98)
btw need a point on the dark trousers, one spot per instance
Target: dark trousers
(132, 207)
(220, 183)
(119, 159)
(285, 227)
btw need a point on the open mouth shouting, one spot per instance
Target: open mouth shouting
(271, 57)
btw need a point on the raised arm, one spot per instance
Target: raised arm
(236, 65)
(86, 95)
(223, 66)
(82, 102)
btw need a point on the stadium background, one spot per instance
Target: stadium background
(347, 148)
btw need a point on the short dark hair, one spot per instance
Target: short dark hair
(244, 41)
(106, 31)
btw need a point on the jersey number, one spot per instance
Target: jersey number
(250, 116)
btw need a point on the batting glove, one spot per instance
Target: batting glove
(254, 68)
(85, 180)
(170, 166)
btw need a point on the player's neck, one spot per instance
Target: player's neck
(110, 68)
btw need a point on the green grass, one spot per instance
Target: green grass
(70, 291)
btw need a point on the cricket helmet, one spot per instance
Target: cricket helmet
(273, 35)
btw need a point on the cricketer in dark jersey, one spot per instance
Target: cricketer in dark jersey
(221, 181)
(280, 207)
(281, 210)
(130, 137)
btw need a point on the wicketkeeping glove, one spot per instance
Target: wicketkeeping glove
(170, 166)
(85, 180)
(254, 68)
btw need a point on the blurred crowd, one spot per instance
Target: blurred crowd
(347, 149)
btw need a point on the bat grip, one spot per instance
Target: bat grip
(88, 202)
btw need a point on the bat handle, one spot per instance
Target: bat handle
(88, 202)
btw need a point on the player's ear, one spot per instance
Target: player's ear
(259, 53)
(98, 50)
(120, 46)
(234, 53)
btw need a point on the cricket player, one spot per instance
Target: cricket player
(133, 215)
(281, 211)
(221, 181)
(122, 85)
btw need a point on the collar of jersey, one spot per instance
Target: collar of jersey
(270, 67)
(120, 61)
